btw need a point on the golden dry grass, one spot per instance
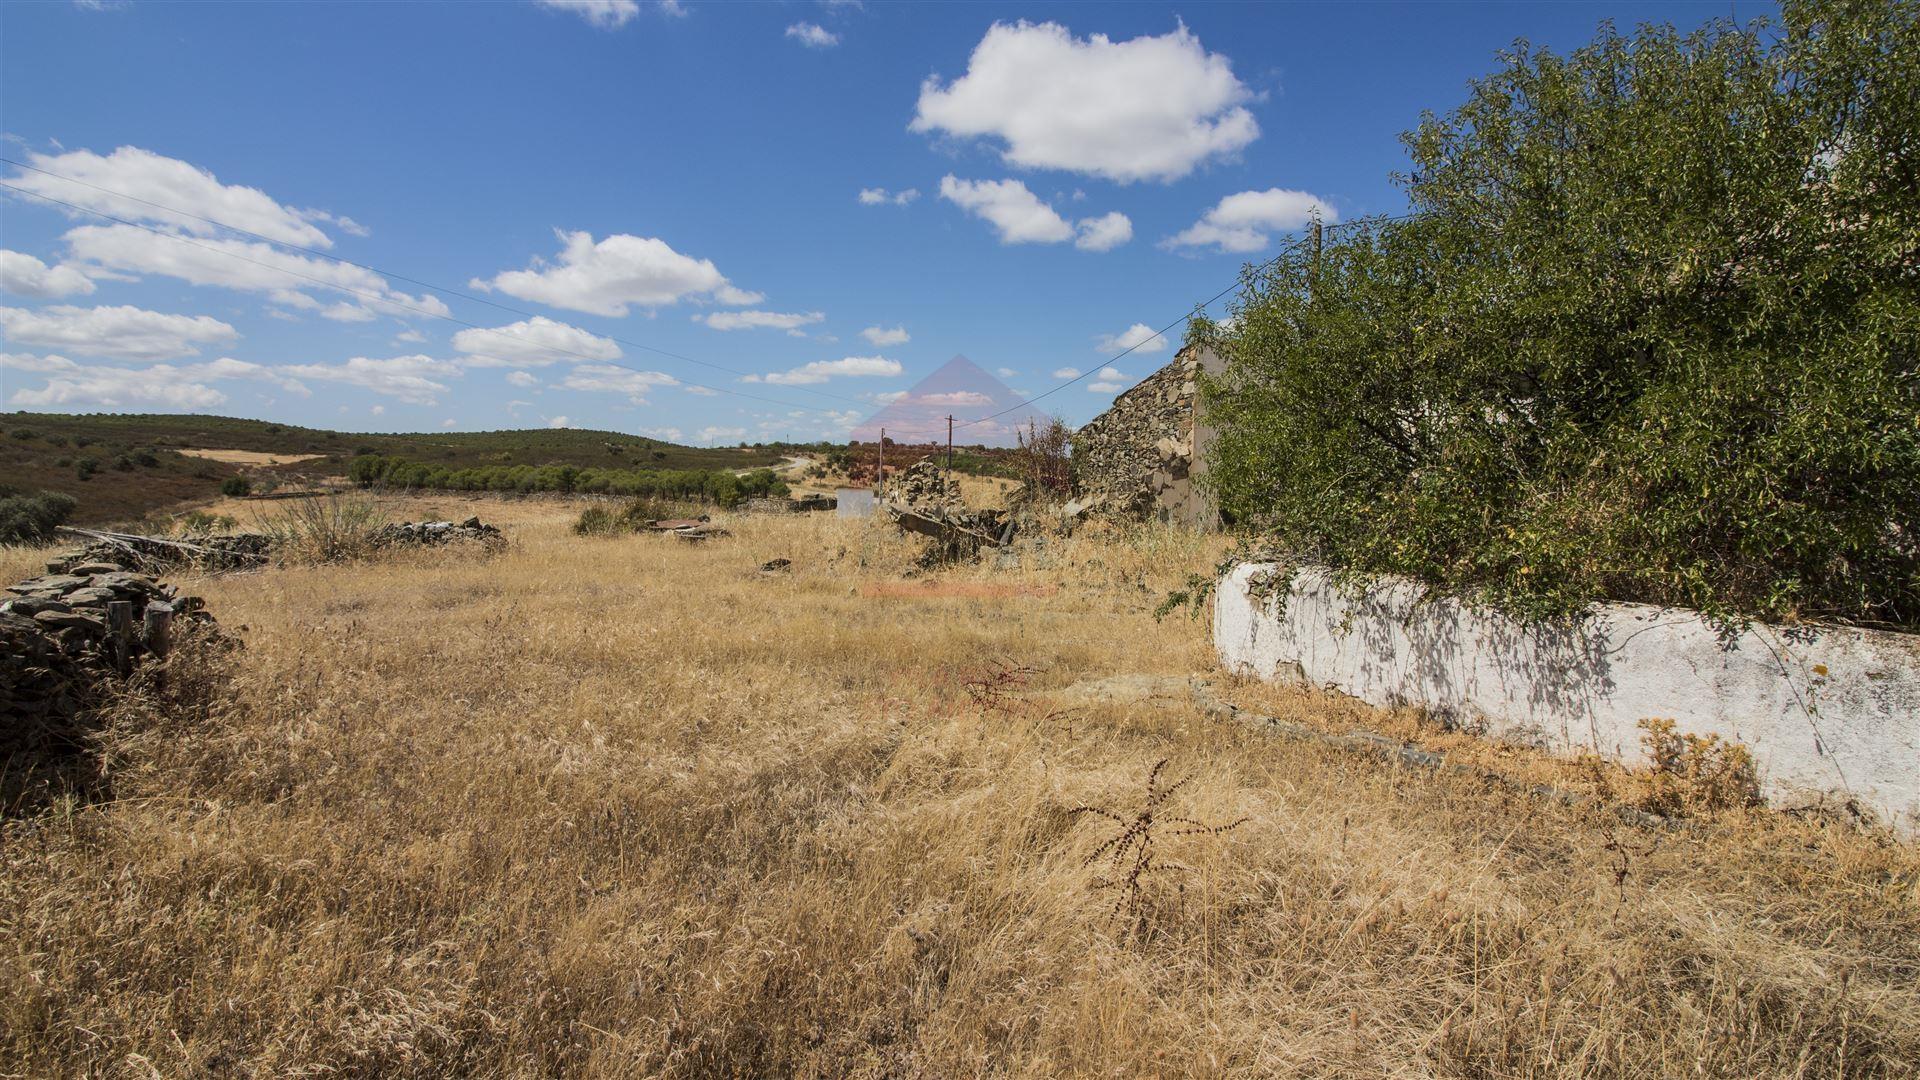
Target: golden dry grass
(250, 457)
(629, 808)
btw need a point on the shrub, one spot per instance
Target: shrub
(1648, 336)
(86, 467)
(236, 487)
(31, 519)
(324, 530)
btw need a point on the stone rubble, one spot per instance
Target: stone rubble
(440, 532)
(919, 486)
(59, 648)
(154, 554)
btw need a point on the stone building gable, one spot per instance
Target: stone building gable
(1138, 459)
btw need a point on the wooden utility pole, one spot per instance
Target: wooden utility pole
(947, 495)
(880, 478)
(1313, 280)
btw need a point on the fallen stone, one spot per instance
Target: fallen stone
(62, 620)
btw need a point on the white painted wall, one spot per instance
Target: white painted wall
(1832, 713)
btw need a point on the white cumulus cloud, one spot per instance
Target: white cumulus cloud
(711, 435)
(605, 14)
(881, 337)
(607, 379)
(1109, 381)
(813, 36)
(161, 386)
(128, 333)
(1152, 108)
(170, 182)
(1244, 222)
(609, 276)
(1103, 233)
(532, 342)
(412, 379)
(791, 322)
(879, 196)
(820, 371)
(522, 379)
(1139, 337)
(1016, 214)
(1066, 373)
(244, 265)
(23, 274)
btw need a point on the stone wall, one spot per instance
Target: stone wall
(1141, 457)
(1829, 715)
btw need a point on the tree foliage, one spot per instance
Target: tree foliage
(1650, 334)
(720, 486)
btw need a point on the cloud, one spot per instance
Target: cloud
(128, 333)
(761, 320)
(1243, 222)
(609, 276)
(1016, 213)
(881, 337)
(245, 265)
(667, 434)
(558, 421)
(711, 435)
(411, 337)
(813, 36)
(412, 379)
(449, 423)
(1152, 108)
(1006, 373)
(1139, 337)
(170, 182)
(1109, 381)
(23, 274)
(605, 14)
(163, 386)
(1066, 373)
(1103, 233)
(606, 379)
(821, 370)
(877, 196)
(533, 342)
(378, 410)
(345, 312)
(954, 398)
(521, 378)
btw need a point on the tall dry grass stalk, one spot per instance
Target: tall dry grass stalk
(321, 530)
(627, 807)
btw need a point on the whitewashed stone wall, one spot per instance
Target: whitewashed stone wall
(1832, 714)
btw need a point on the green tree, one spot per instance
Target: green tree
(1649, 334)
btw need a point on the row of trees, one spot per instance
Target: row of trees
(1651, 333)
(717, 486)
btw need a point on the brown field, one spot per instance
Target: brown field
(628, 807)
(251, 457)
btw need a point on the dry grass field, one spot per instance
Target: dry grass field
(628, 807)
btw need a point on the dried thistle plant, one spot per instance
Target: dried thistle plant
(1001, 688)
(1131, 860)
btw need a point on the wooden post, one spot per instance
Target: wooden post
(120, 630)
(1313, 281)
(158, 629)
(946, 496)
(880, 478)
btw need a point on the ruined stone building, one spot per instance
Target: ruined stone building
(1143, 456)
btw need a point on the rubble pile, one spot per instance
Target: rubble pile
(920, 485)
(430, 533)
(155, 554)
(63, 636)
(801, 505)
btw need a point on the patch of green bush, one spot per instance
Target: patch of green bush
(720, 487)
(1652, 334)
(31, 519)
(236, 487)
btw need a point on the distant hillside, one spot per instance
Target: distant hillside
(137, 467)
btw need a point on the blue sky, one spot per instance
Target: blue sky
(686, 177)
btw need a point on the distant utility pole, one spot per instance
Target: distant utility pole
(880, 478)
(947, 496)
